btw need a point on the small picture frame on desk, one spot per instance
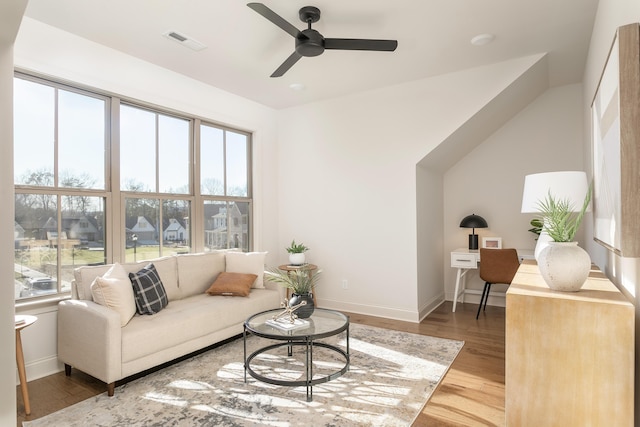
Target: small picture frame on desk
(492, 242)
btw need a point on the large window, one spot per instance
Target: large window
(156, 226)
(224, 186)
(154, 153)
(72, 167)
(224, 163)
(60, 136)
(226, 225)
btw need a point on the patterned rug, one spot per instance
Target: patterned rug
(392, 375)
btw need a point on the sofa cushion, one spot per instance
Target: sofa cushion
(114, 290)
(167, 269)
(196, 272)
(150, 295)
(84, 277)
(165, 266)
(247, 262)
(188, 319)
(232, 284)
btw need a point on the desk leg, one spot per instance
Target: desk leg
(461, 285)
(22, 374)
(457, 290)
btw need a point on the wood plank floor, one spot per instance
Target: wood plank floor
(471, 394)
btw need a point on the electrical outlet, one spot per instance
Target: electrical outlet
(345, 284)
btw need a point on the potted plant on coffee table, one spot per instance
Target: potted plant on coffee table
(563, 264)
(301, 283)
(296, 253)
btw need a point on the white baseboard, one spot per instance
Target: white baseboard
(41, 368)
(389, 313)
(473, 296)
(431, 305)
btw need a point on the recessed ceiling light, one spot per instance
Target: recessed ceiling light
(482, 39)
(297, 86)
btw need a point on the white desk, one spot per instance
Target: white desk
(464, 260)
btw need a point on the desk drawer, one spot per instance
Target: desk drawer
(459, 260)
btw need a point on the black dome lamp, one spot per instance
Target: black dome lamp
(473, 221)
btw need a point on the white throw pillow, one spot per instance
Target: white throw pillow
(247, 262)
(114, 290)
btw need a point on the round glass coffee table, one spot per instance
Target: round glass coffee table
(323, 323)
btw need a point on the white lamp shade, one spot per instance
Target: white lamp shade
(568, 185)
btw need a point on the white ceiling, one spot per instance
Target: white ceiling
(243, 48)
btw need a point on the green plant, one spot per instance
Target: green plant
(559, 219)
(536, 226)
(297, 249)
(299, 281)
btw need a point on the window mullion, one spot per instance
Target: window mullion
(224, 161)
(196, 222)
(56, 130)
(58, 241)
(157, 153)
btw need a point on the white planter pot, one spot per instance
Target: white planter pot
(296, 259)
(564, 266)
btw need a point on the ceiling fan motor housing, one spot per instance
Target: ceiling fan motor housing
(311, 44)
(309, 14)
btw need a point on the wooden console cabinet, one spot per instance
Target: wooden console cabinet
(569, 355)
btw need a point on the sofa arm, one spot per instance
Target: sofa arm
(282, 291)
(90, 339)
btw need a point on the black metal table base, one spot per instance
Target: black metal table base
(309, 381)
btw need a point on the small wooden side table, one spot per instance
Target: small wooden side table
(309, 268)
(22, 321)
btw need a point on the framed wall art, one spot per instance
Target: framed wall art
(615, 133)
(492, 242)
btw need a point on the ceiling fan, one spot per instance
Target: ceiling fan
(309, 42)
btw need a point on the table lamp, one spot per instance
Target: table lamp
(473, 221)
(567, 185)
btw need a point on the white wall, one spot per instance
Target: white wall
(546, 136)
(624, 272)
(7, 334)
(348, 186)
(48, 51)
(11, 13)
(430, 249)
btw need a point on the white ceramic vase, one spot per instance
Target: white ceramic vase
(564, 266)
(296, 259)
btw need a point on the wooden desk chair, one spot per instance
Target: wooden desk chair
(496, 266)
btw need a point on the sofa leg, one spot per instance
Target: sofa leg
(67, 370)
(111, 388)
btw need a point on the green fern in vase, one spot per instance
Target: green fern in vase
(560, 221)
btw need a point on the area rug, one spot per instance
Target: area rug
(391, 376)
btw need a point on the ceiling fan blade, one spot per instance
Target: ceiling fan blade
(275, 18)
(361, 44)
(288, 63)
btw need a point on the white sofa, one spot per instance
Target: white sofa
(92, 339)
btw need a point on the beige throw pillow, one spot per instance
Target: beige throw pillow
(247, 262)
(114, 290)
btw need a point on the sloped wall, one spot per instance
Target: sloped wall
(545, 136)
(349, 187)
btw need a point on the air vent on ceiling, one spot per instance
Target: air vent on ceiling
(184, 40)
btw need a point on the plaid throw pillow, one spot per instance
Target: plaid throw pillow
(149, 291)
